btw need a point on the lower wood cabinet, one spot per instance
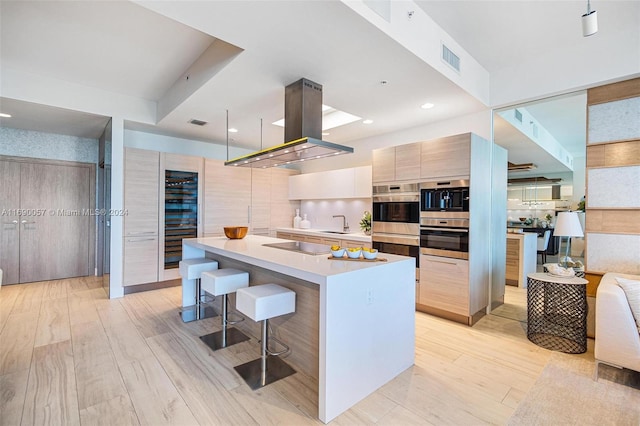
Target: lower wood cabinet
(320, 239)
(444, 284)
(140, 263)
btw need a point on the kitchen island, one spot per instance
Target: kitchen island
(354, 325)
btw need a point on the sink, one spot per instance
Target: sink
(334, 232)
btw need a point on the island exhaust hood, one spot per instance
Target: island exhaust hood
(302, 130)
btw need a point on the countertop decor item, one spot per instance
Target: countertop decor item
(365, 223)
(305, 223)
(235, 232)
(297, 219)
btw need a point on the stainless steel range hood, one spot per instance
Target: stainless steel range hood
(302, 130)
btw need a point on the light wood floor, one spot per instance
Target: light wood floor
(69, 355)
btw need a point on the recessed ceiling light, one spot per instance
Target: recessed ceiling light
(331, 118)
(233, 130)
(3, 115)
(325, 133)
(427, 105)
(367, 122)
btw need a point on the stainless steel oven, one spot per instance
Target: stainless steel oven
(445, 237)
(396, 220)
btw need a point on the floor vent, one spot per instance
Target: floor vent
(197, 122)
(450, 58)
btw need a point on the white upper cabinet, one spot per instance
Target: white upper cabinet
(396, 163)
(332, 184)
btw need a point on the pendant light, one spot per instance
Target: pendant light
(589, 21)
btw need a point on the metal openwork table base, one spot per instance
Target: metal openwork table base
(557, 312)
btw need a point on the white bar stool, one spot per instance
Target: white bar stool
(221, 282)
(260, 303)
(192, 269)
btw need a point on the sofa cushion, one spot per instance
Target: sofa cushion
(632, 291)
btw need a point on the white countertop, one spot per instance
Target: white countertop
(312, 268)
(353, 236)
(520, 235)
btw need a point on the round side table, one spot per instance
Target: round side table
(557, 312)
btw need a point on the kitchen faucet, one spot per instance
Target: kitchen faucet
(345, 225)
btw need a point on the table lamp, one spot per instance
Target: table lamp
(568, 225)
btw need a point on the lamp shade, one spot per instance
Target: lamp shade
(568, 225)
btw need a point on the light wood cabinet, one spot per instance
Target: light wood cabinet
(513, 262)
(140, 264)
(141, 200)
(446, 157)
(227, 196)
(444, 284)
(322, 239)
(396, 163)
(141, 188)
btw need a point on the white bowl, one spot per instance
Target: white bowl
(370, 254)
(354, 254)
(338, 253)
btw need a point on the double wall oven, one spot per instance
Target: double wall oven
(396, 220)
(422, 218)
(444, 218)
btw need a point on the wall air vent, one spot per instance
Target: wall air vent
(197, 122)
(518, 115)
(450, 58)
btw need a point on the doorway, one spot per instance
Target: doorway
(48, 219)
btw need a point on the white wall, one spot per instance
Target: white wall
(320, 213)
(478, 123)
(142, 140)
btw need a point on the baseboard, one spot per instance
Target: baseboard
(151, 286)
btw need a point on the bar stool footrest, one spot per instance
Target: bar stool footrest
(278, 341)
(251, 372)
(217, 340)
(232, 322)
(190, 313)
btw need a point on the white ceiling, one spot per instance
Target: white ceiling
(135, 50)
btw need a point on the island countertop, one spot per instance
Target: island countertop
(308, 267)
(353, 329)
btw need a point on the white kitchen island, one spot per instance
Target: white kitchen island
(354, 325)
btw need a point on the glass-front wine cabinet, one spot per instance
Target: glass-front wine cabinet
(180, 213)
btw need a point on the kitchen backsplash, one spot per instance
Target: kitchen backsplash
(320, 213)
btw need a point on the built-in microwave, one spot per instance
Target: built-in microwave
(445, 196)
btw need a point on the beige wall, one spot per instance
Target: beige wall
(613, 178)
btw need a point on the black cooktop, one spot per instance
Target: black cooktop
(301, 247)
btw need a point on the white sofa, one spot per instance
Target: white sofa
(617, 340)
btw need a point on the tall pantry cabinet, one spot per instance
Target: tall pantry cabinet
(141, 192)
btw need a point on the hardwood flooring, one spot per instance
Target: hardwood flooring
(69, 355)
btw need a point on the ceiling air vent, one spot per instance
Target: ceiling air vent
(451, 58)
(197, 122)
(518, 115)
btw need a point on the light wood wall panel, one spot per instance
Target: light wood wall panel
(614, 154)
(613, 221)
(613, 172)
(613, 92)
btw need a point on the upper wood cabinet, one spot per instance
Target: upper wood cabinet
(332, 184)
(227, 196)
(141, 189)
(396, 163)
(446, 157)
(282, 209)
(260, 213)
